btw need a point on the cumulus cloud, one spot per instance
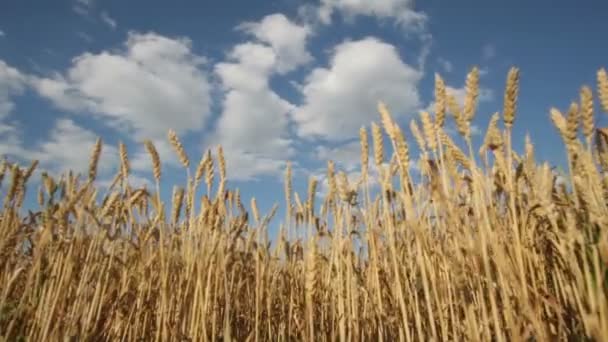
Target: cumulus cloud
(402, 11)
(342, 97)
(12, 82)
(253, 125)
(63, 150)
(156, 83)
(346, 156)
(287, 39)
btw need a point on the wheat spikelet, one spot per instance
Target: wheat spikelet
(602, 88)
(343, 187)
(331, 178)
(178, 199)
(3, 168)
(210, 172)
(440, 101)
(95, 159)
(222, 162)
(587, 112)
(387, 121)
(254, 210)
(601, 144)
(15, 183)
(201, 167)
(472, 92)
(40, 196)
(493, 138)
(155, 159)
(124, 160)
(403, 152)
(558, 120)
(378, 146)
(310, 201)
(572, 120)
(429, 130)
(288, 190)
(510, 101)
(418, 135)
(30, 171)
(178, 147)
(364, 152)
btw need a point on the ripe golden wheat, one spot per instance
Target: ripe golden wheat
(492, 250)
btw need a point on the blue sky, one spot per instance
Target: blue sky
(273, 80)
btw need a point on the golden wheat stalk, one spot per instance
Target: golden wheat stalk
(602, 88)
(96, 153)
(124, 160)
(510, 101)
(178, 148)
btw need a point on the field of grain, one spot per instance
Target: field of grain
(486, 245)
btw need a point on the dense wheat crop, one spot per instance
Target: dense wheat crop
(484, 245)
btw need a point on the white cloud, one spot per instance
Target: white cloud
(2, 34)
(155, 84)
(12, 82)
(341, 98)
(253, 126)
(402, 11)
(488, 51)
(346, 156)
(69, 147)
(287, 39)
(111, 22)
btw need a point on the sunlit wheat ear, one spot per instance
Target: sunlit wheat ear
(572, 120)
(418, 135)
(254, 210)
(222, 162)
(210, 171)
(124, 160)
(3, 168)
(310, 201)
(558, 120)
(95, 154)
(155, 159)
(288, 190)
(178, 199)
(602, 88)
(30, 171)
(178, 147)
(331, 178)
(429, 130)
(15, 181)
(440, 101)
(200, 168)
(586, 99)
(403, 151)
(472, 92)
(387, 121)
(510, 101)
(364, 152)
(601, 144)
(493, 138)
(378, 145)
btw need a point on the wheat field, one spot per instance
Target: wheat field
(486, 245)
